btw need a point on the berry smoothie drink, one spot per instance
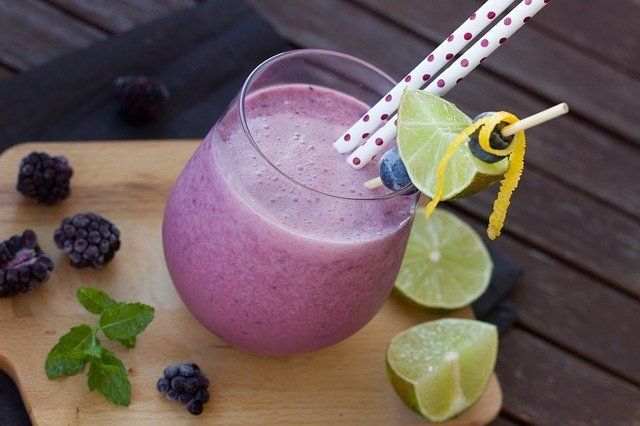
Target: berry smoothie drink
(269, 236)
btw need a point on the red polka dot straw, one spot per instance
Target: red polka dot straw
(432, 64)
(449, 77)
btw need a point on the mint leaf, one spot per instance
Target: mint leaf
(129, 342)
(108, 375)
(67, 357)
(122, 321)
(93, 348)
(94, 300)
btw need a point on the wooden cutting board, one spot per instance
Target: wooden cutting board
(128, 182)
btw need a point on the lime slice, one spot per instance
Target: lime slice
(440, 368)
(446, 264)
(427, 124)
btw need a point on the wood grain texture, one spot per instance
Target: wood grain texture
(606, 28)
(558, 388)
(572, 227)
(5, 72)
(119, 16)
(571, 309)
(344, 384)
(503, 421)
(557, 218)
(32, 32)
(537, 61)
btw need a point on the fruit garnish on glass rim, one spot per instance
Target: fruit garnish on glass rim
(431, 136)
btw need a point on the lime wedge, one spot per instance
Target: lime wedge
(440, 368)
(446, 264)
(427, 124)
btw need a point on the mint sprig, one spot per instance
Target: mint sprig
(118, 321)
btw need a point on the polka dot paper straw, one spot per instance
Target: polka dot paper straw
(431, 65)
(477, 53)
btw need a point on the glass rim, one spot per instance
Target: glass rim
(245, 126)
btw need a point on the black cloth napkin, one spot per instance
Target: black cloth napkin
(494, 306)
(203, 55)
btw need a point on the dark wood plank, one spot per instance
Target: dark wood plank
(503, 421)
(119, 16)
(607, 28)
(572, 309)
(536, 61)
(544, 385)
(5, 72)
(573, 226)
(32, 32)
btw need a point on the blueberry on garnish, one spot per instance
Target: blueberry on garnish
(187, 384)
(393, 173)
(496, 141)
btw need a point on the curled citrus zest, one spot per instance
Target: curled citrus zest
(509, 183)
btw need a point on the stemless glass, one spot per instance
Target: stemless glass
(264, 261)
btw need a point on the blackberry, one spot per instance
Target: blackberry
(187, 384)
(44, 177)
(142, 98)
(89, 239)
(23, 264)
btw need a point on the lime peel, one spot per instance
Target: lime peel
(515, 151)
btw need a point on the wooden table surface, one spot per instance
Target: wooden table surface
(574, 356)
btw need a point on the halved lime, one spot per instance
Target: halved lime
(446, 264)
(427, 125)
(440, 368)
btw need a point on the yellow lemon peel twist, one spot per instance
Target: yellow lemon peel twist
(509, 183)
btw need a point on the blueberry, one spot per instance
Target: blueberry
(496, 141)
(163, 385)
(393, 173)
(195, 407)
(483, 115)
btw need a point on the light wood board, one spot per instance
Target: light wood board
(128, 182)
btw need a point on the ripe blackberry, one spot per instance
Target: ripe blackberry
(44, 177)
(89, 239)
(23, 264)
(187, 384)
(142, 98)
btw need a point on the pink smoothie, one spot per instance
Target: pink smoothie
(258, 256)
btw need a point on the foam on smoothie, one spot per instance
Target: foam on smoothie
(294, 127)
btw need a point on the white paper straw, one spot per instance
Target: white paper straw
(430, 66)
(477, 53)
